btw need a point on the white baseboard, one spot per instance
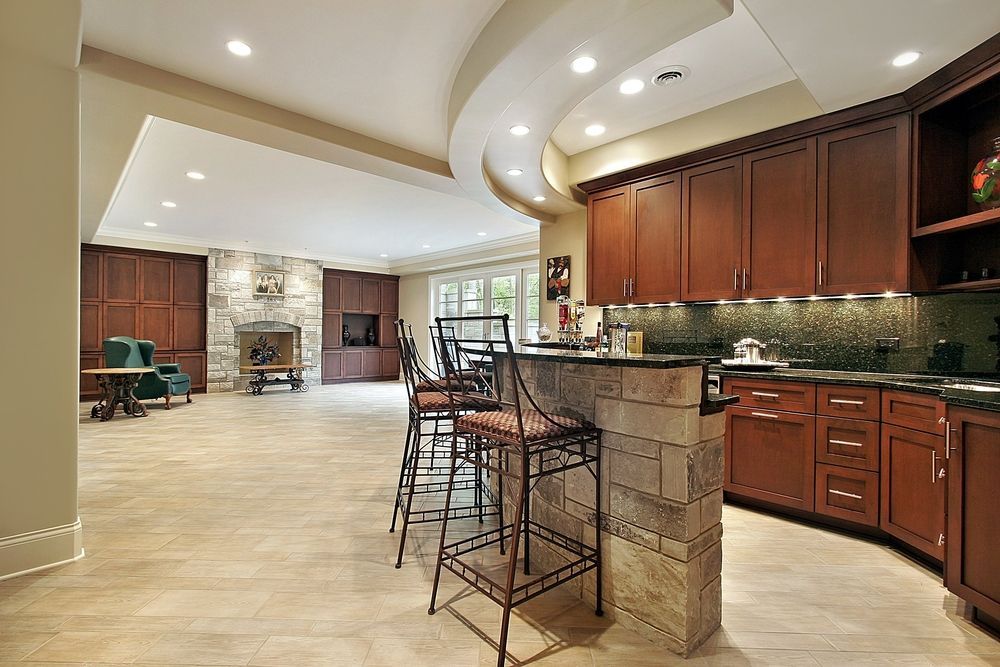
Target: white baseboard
(40, 549)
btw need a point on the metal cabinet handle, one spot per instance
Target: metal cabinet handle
(631, 287)
(934, 475)
(820, 273)
(764, 394)
(844, 401)
(624, 286)
(845, 494)
(947, 439)
(846, 442)
(744, 278)
(736, 279)
(764, 414)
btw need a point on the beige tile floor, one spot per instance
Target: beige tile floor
(252, 531)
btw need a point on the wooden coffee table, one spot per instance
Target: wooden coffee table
(293, 377)
(117, 385)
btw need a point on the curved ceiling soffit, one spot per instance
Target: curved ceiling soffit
(518, 72)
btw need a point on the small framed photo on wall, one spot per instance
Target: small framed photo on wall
(556, 277)
(268, 283)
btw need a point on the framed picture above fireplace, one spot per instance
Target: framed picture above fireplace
(268, 283)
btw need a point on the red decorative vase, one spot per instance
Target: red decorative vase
(986, 179)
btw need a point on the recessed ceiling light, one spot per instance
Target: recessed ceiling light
(195, 175)
(519, 130)
(595, 130)
(631, 86)
(515, 172)
(238, 48)
(480, 233)
(538, 198)
(383, 255)
(425, 246)
(150, 224)
(906, 58)
(583, 64)
(168, 204)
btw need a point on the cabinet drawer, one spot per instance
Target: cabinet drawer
(921, 412)
(846, 493)
(787, 396)
(847, 401)
(847, 442)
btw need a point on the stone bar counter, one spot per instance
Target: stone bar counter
(662, 469)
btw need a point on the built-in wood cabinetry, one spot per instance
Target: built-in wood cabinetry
(913, 488)
(711, 231)
(148, 295)
(973, 535)
(362, 301)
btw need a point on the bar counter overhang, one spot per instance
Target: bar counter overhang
(662, 457)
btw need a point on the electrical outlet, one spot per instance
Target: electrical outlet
(887, 344)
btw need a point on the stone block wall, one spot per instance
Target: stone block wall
(232, 305)
(661, 496)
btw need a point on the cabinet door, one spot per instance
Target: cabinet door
(711, 231)
(390, 297)
(194, 364)
(331, 291)
(913, 494)
(390, 363)
(852, 443)
(120, 319)
(863, 208)
(189, 327)
(90, 328)
(189, 282)
(371, 297)
(90, 276)
(351, 294)
(156, 324)
(656, 246)
(333, 328)
(779, 221)
(121, 278)
(770, 455)
(608, 255)
(352, 363)
(847, 493)
(156, 280)
(387, 331)
(333, 366)
(371, 363)
(973, 522)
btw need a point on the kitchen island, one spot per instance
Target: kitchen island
(662, 471)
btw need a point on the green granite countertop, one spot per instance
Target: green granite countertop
(605, 359)
(924, 384)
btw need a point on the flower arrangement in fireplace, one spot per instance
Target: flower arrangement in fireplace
(262, 351)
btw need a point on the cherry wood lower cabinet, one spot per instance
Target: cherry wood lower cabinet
(350, 297)
(913, 488)
(972, 570)
(847, 493)
(770, 456)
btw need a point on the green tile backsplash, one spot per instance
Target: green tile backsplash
(947, 333)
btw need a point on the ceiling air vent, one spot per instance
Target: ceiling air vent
(670, 76)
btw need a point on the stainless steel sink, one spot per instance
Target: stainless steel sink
(971, 386)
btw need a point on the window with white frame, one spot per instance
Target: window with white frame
(511, 290)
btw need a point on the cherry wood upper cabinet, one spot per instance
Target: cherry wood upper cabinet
(371, 299)
(863, 207)
(779, 221)
(656, 240)
(157, 281)
(351, 299)
(121, 278)
(331, 291)
(390, 297)
(913, 494)
(973, 539)
(608, 254)
(90, 275)
(189, 282)
(711, 231)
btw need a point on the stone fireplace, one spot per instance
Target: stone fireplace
(235, 314)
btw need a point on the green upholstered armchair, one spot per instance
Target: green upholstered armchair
(166, 380)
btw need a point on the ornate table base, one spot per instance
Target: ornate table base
(261, 380)
(117, 389)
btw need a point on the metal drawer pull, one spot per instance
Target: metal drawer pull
(844, 401)
(934, 475)
(764, 414)
(764, 394)
(845, 494)
(846, 442)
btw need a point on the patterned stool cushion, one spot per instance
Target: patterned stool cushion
(503, 424)
(439, 385)
(433, 401)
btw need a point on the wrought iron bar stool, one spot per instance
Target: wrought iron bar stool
(525, 444)
(427, 448)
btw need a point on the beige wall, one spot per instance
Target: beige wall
(39, 176)
(567, 236)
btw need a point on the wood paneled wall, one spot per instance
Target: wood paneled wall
(144, 294)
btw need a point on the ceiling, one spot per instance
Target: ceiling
(273, 201)
(383, 68)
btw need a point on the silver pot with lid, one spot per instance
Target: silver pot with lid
(749, 351)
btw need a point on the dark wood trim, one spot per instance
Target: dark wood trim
(141, 251)
(362, 274)
(956, 77)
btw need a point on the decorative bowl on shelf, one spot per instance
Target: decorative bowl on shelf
(985, 177)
